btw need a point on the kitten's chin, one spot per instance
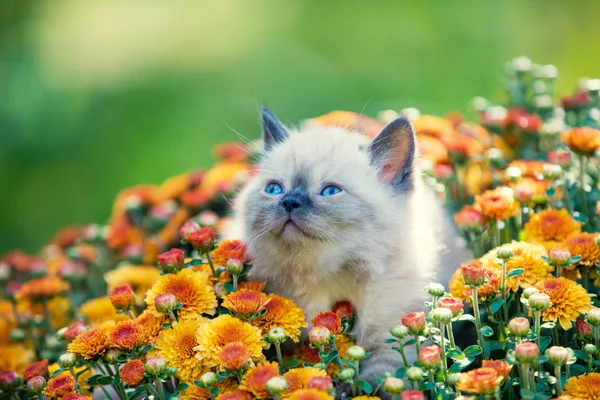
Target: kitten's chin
(293, 230)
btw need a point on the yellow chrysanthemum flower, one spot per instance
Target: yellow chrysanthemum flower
(97, 311)
(551, 227)
(480, 381)
(7, 321)
(526, 256)
(85, 389)
(194, 392)
(584, 245)
(282, 313)
(191, 288)
(93, 342)
(151, 325)
(140, 277)
(497, 204)
(310, 394)
(217, 333)
(298, 378)
(583, 387)
(177, 347)
(256, 377)
(245, 303)
(569, 300)
(15, 357)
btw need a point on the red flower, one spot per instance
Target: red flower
(430, 356)
(529, 123)
(202, 240)
(412, 395)
(344, 310)
(39, 368)
(132, 372)
(442, 171)
(452, 303)
(187, 228)
(73, 330)
(584, 328)
(469, 218)
(415, 321)
(329, 320)
(171, 260)
(321, 383)
(473, 274)
(122, 297)
(576, 101)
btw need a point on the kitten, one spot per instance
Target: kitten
(331, 217)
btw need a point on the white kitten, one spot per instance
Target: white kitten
(330, 217)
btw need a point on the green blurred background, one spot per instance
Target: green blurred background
(98, 95)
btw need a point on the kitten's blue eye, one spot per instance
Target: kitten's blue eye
(274, 189)
(330, 190)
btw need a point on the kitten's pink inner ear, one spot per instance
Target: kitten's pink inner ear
(387, 173)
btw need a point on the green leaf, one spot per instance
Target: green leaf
(182, 386)
(400, 372)
(365, 386)
(58, 371)
(544, 342)
(391, 341)
(292, 364)
(330, 357)
(197, 383)
(515, 272)
(496, 305)
(215, 391)
(428, 386)
(228, 287)
(166, 325)
(548, 325)
(459, 365)
(578, 369)
(467, 317)
(93, 380)
(575, 259)
(307, 364)
(455, 354)
(410, 342)
(196, 262)
(105, 380)
(472, 351)
(487, 331)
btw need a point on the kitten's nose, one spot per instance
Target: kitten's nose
(291, 202)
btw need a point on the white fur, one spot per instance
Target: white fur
(381, 263)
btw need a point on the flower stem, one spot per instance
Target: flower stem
(234, 278)
(585, 274)
(432, 380)
(444, 358)
(537, 325)
(558, 380)
(172, 316)
(161, 389)
(475, 300)
(72, 370)
(47, 317)
(210, 263)
(418, 345)
(451, 336)
(582, 163)
(525, 376)
(279, 357)
(132, 314)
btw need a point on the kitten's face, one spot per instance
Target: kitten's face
(316, 186)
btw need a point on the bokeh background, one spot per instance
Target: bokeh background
(97, 95)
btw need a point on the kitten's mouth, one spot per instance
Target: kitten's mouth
(291, 227)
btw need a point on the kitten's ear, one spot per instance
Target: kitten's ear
(392, 153)
(273, 131)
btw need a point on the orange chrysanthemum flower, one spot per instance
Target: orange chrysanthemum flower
(298, 378)
(225, 329)
(234, 356)
(258, 286)
(191, 288)
(84, 374)
(582, 140)
(132, 372)
(310, 394)
(255, 379)
(529, 168)
(246, 303)
(501, 367)
(150, 325)
(97, 311)
(282, 313)
(569, 301)
(76, 396)
(432, 149)
(490, 289)
(584, 245)
(41, 288)
(583, 387)
(140, 277)
(432, 125)
(235, 395)
(497, 204)
(551, 227)
(528, 190)
(193, 392)
(480, 381)
(60, 385)
(177, 347)
(229, 249)
(93, 342)
(329, 320)
(526, 256)
(39, 368)
(125, 335)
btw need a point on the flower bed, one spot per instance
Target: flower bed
(155, 304)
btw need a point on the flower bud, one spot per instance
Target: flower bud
(60, 334)
(400, 331)
(319, 336)
(355, 353)
(441, 315)
(208, 218)
(469, 219)
(454, 378)
(347, 374)
(320, 366)
(36, 384)
(530, 291)
(590, 348)
(415, 321)
(112, 356)
(539, 302)
(513, 174)
(430, 356)
(435, 289)
(584, 328)
(473, 274)
(559, 258)
(505, 253)
(277, 335)
(234, 266)
(17, 335)
(320, 383)
(560, 157)
(414, 374)
(412, 395)
(155, 365)
(171, 371)
(393, 385)
(209, 380)
(171, 261)
(519, 327)
(442, 172)
(451, 303)
(527, 352)
(552, 171)
(67, 360)
(276, 385)
(9, 380)
(122, 297)
(557, 355)
(202, 239)
(165, 303)
(345, 311)
(593, 317)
